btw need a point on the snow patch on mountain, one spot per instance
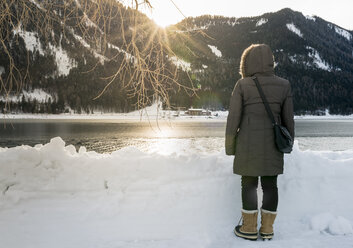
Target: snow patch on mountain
(292, 58)
(180, 63)
(215, 50)
(101, 58)
(343, 33)
(63, 62)
(36, 4)
(317, 60)
(310, 17)
(37, 94)
(294, 29)
(232, 23)
(128, 56)
(262, 21)
(89, 23)
(30, 39)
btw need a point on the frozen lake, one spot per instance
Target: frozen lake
(180, 136)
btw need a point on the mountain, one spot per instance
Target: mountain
(65, 66)
(315, 55)
(58, 56)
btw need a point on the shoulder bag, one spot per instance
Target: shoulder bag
(283, 139)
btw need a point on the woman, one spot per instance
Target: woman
(250, 137)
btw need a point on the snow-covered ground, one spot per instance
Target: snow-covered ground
(53, 196)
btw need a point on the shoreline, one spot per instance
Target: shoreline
(145, 118)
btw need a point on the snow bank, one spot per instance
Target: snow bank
(55, 196)
(327, 222)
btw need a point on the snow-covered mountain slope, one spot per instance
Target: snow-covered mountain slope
(315, 55)
(70, 58)
(73, 60)
(53, 196)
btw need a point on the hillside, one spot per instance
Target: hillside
(65, 54)
(67, 66)
(315, 55)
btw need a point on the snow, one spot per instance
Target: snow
(128, 56)
(203, 66)
(149, 113)
(327, 116)
(294, 29)
(53, 196)
(37, 94)
(215, 50)
(310, 17)
(101, 58)
(262, 21)
(317, 60)
(63, 62)
(232, 23)
(180, 63)
(343, 33)
(331, 224)
(31, 40)
(36, 4)
(292, 58)
(90, 23)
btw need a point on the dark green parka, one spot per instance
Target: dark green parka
(249, 131)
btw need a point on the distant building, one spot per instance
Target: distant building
(193, 111)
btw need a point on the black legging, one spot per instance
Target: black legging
(249, 192)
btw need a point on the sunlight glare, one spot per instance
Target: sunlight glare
(163, 13)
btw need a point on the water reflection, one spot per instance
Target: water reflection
(106, 136)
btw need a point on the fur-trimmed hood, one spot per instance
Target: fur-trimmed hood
(257, 58)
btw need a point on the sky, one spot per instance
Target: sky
(165, 13)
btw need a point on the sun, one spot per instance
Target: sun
(163, 13)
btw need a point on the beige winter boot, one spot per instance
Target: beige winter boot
(267, 220)
(248, 230)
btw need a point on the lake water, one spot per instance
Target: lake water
(181, 136)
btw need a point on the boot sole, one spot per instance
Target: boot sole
(268, 236)
(252, 237)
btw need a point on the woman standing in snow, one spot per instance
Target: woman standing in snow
(250, 137)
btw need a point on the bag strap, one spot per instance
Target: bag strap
(264, 100)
